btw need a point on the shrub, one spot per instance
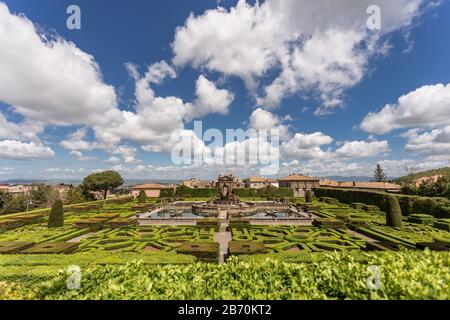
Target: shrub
(309, 196)
(56, 218)
(52, 248)
(208, 223)
(421, 219)
(14, 247)
(405, 276)
(204, 251)
(246, 247)
(142, 198)
(443, 224)
(329, 223)
(120, 222)
(438, 207)
(394, 212)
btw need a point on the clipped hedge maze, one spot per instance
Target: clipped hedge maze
(204, 251)
(52, 248)
(14, 247)
(298, 238)
(408, 236)
(146, 238)
(246, 247)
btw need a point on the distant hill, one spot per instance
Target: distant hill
(75, 182)
(429, 173)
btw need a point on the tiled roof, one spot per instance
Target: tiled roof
(298, 177)
(260, 179)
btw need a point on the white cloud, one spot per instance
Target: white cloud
(209, 99)
(113, 160)
(76, 141)
(429, 143)
(306, 146)
(49, 80)
(79, 155)
(427, 106)
(362, 149)
(263, 119)
(160, 71)
(291, 37)
(27, 130)
(17, 150)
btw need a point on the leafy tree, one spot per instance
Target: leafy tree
(142, 198)
(103, 181)
(5, 197)
(379, 174)
(15, 204)
(76, 195)
(42, 196)
(56, 218)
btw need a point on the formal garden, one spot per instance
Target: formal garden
(121, 258)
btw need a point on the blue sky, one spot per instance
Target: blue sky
(119, 92)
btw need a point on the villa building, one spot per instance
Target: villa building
(198, 184)
(236, 182)
(300, 183)
(152, 190)
(258, 182)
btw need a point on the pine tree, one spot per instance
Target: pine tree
(379, 175)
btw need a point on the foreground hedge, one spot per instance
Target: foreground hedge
(405, 275)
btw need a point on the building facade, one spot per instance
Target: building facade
(299, 183)
(258, 182)
(152, 190)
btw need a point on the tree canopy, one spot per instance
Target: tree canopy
(103, 181)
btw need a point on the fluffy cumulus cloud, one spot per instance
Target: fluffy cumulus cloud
(362, 149)
(261, 119)
(158, 122)
(17, 150)
(427, 106)
(291, 38)
(210, 99)
(425, 112)
(47, 78)
(306, 146)
(429, 143)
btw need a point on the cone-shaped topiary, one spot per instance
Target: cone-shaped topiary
(56, 218)
(309, 196)
(142, 198)
(394, 212)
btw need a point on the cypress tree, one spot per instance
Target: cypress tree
(309, 196)
(142, 198)
(56, 218)
(394, 212)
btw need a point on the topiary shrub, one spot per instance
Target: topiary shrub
(393, 213)
(142, 198)
(309, 196)
(56, 218)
